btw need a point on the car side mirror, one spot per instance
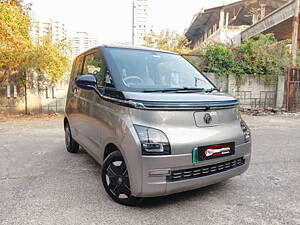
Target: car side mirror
(87, 82)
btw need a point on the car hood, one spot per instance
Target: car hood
(184, 100)
(178, 97)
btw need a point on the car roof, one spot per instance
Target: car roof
(137, 48)
(128, 47)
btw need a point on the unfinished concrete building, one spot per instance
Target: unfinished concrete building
(226, 23)
(278, 22)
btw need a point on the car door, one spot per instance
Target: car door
(103, 113)
(90, 125)
(72, 98)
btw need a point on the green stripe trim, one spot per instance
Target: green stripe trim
(195, 155)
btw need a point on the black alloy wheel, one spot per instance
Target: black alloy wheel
(116, 181)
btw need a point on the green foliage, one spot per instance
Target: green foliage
(220, 59)
(14, 34)
(49, 59)
(263, 55)
(168, 40)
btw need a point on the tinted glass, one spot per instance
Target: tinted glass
(141, 69)
(94, 64)
(78, 66)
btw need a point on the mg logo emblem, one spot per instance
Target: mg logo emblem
(207, 118)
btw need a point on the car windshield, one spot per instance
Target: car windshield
(144, 70)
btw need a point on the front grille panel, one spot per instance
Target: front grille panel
(185, 174)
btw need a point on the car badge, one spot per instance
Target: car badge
(207, 118)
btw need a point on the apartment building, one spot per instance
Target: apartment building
(82, 41)
(54, 29)
(140, 25)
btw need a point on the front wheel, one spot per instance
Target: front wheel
(116, 181)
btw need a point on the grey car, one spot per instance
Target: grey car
(154, 122)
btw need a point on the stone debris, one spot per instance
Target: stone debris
(53, 114)
(267, 111)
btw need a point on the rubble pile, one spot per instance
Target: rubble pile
(264, 111)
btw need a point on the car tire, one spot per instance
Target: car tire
(71, 145)
(115, 180)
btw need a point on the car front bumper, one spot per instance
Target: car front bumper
(157, 171)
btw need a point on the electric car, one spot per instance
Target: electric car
(154, 123)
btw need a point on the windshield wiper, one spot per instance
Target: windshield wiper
(183, 90)
(212, 89)
(160, 90)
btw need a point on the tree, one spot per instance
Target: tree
(263, 55)
(20, 56)
(168, 40)
(18, 52)
(15, 40)
(48, 59)
(221, 60)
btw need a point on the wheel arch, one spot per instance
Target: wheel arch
(109, 148)
(130, 151)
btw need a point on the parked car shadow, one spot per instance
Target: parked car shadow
(153, 202)
(182, 197)
(81, 150)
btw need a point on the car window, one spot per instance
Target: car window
(174, 74)
(108, 81)
(94, 64)
(144, 69)
(78, 66)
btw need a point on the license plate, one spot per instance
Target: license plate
(202, 153)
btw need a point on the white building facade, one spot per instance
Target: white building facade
(53, 29)
(81, 41)
(140, 24)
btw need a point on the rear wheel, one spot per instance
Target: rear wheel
(71, 145)
(116, 181)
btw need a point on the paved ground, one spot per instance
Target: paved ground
(40, 183)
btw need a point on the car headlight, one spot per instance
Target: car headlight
(153, 141)
(246, 131)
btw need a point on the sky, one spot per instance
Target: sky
(110, 21)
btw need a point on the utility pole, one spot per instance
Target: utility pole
(291, 89)
(295, 34)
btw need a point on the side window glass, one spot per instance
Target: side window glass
(108, 82)
(78, 66)
(93, 65)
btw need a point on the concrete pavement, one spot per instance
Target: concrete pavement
(40, 183)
